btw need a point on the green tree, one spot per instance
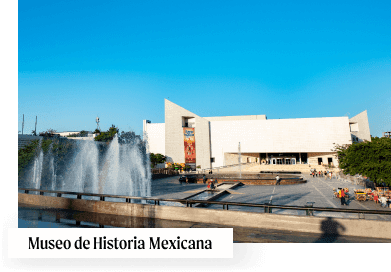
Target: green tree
(157, 158)
(48, 133)
(107, 136)
(371, 159)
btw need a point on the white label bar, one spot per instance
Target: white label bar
(121, 243)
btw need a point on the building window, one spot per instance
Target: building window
(320, 161)
(212, 159)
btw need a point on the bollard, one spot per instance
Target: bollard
(268, 209)
(309, 211)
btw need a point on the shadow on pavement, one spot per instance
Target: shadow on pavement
(330, 231)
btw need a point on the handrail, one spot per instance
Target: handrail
(190, 202)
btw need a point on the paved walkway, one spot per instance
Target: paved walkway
(316, 190)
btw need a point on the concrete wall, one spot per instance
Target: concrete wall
(353, 227)
(278, 136)
(235, 118)
(233, 158)
(174, 141)
(360, 126)
(313, 158)
(155, 133)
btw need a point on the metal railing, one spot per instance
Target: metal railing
(267, 207)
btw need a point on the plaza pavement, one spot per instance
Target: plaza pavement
(316, 190)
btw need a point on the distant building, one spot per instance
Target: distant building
(90, 136)
(214, 141)
(387, 134)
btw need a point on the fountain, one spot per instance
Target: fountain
(119, 167)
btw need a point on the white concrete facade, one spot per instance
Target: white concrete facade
(156, 137)
(217, 137)
(359, 127)
(278, 136)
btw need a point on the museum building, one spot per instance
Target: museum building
(211, 142)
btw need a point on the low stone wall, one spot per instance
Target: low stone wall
(260, 181)
(160, 176)
(255, 179)
(352, 227)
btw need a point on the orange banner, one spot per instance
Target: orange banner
(190, 152)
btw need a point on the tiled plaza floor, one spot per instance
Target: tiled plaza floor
(316, 190)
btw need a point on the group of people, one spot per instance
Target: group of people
(326, 174)
(342, 195)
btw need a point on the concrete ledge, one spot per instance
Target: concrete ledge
(259, 181)
(351, 227)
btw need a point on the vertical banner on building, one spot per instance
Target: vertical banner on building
(190, 152)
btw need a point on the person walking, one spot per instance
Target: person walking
(342, 196)
(212, 184)
(204, 179)
(277, 180)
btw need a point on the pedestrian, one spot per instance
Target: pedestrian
(204, 179)
(320, 173)
(342, 196)
(383, 201)
(376, 198)
(212, 185)
(331, 175)
(277, 180)
(316, 174)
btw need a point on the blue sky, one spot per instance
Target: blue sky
(120, 59)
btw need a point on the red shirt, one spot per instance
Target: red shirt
(342, 193)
